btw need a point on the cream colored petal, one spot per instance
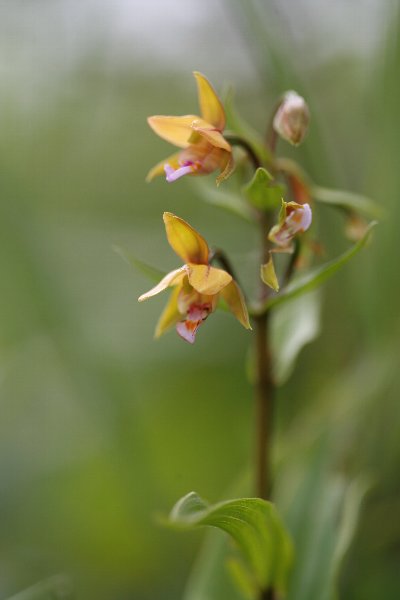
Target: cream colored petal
(172, 278)
(213, 136)
(233, 296)
(189, 245)
(172, 160)
(208, 280)
(210, 105)
(170, 315)
(176, 130)
(227, 169)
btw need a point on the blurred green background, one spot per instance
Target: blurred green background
(101, 427)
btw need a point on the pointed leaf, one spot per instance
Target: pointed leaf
(255, 526)
(261, 194)
(316, 277)
(268, 274)
(347, 200)
(150, 272)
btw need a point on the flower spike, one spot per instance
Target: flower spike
(197, 285)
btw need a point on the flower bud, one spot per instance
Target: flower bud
(292, 118)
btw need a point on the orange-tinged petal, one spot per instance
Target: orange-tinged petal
(210, 105)
(172, 160)
(186, 241)
(172, 278)
(233, 296)
(176, 130)
(170, 315)
(208, 280)
(227, 169)
(212, 135)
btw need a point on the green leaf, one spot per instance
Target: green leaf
(228, 201)
(151, 272)
(58, 587)
(210, 579)
(261, 194)
(323, 519)
(317, 276)
(242, 578)
(255, 526)
(347, 200)
(293, 325)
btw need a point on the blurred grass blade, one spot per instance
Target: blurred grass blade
(211, 578)
(255, 526)
(323, 521)
(239, 126)
(347, 200)
(151, 272)
(55, 588)
(225, 200)
(316, 277)
(293, 325)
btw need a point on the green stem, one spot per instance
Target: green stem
(264, 387)
(236, 140)
(218, 255)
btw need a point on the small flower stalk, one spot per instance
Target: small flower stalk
(197, 286)
(204, 148)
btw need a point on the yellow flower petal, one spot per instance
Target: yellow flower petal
(170, 315)
(172, 160)
(227, 169)
(187, 243)
(172, 278)
(210, 105)
(208, 280)
(176, 130)
(211, 135)
(233, 296)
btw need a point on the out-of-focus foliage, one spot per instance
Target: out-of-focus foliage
(100, 426)
(257, 529)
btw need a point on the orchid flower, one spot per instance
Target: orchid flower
(204, 149)
(197, 286)
(294, 218)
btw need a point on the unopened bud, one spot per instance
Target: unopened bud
(292, 118)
